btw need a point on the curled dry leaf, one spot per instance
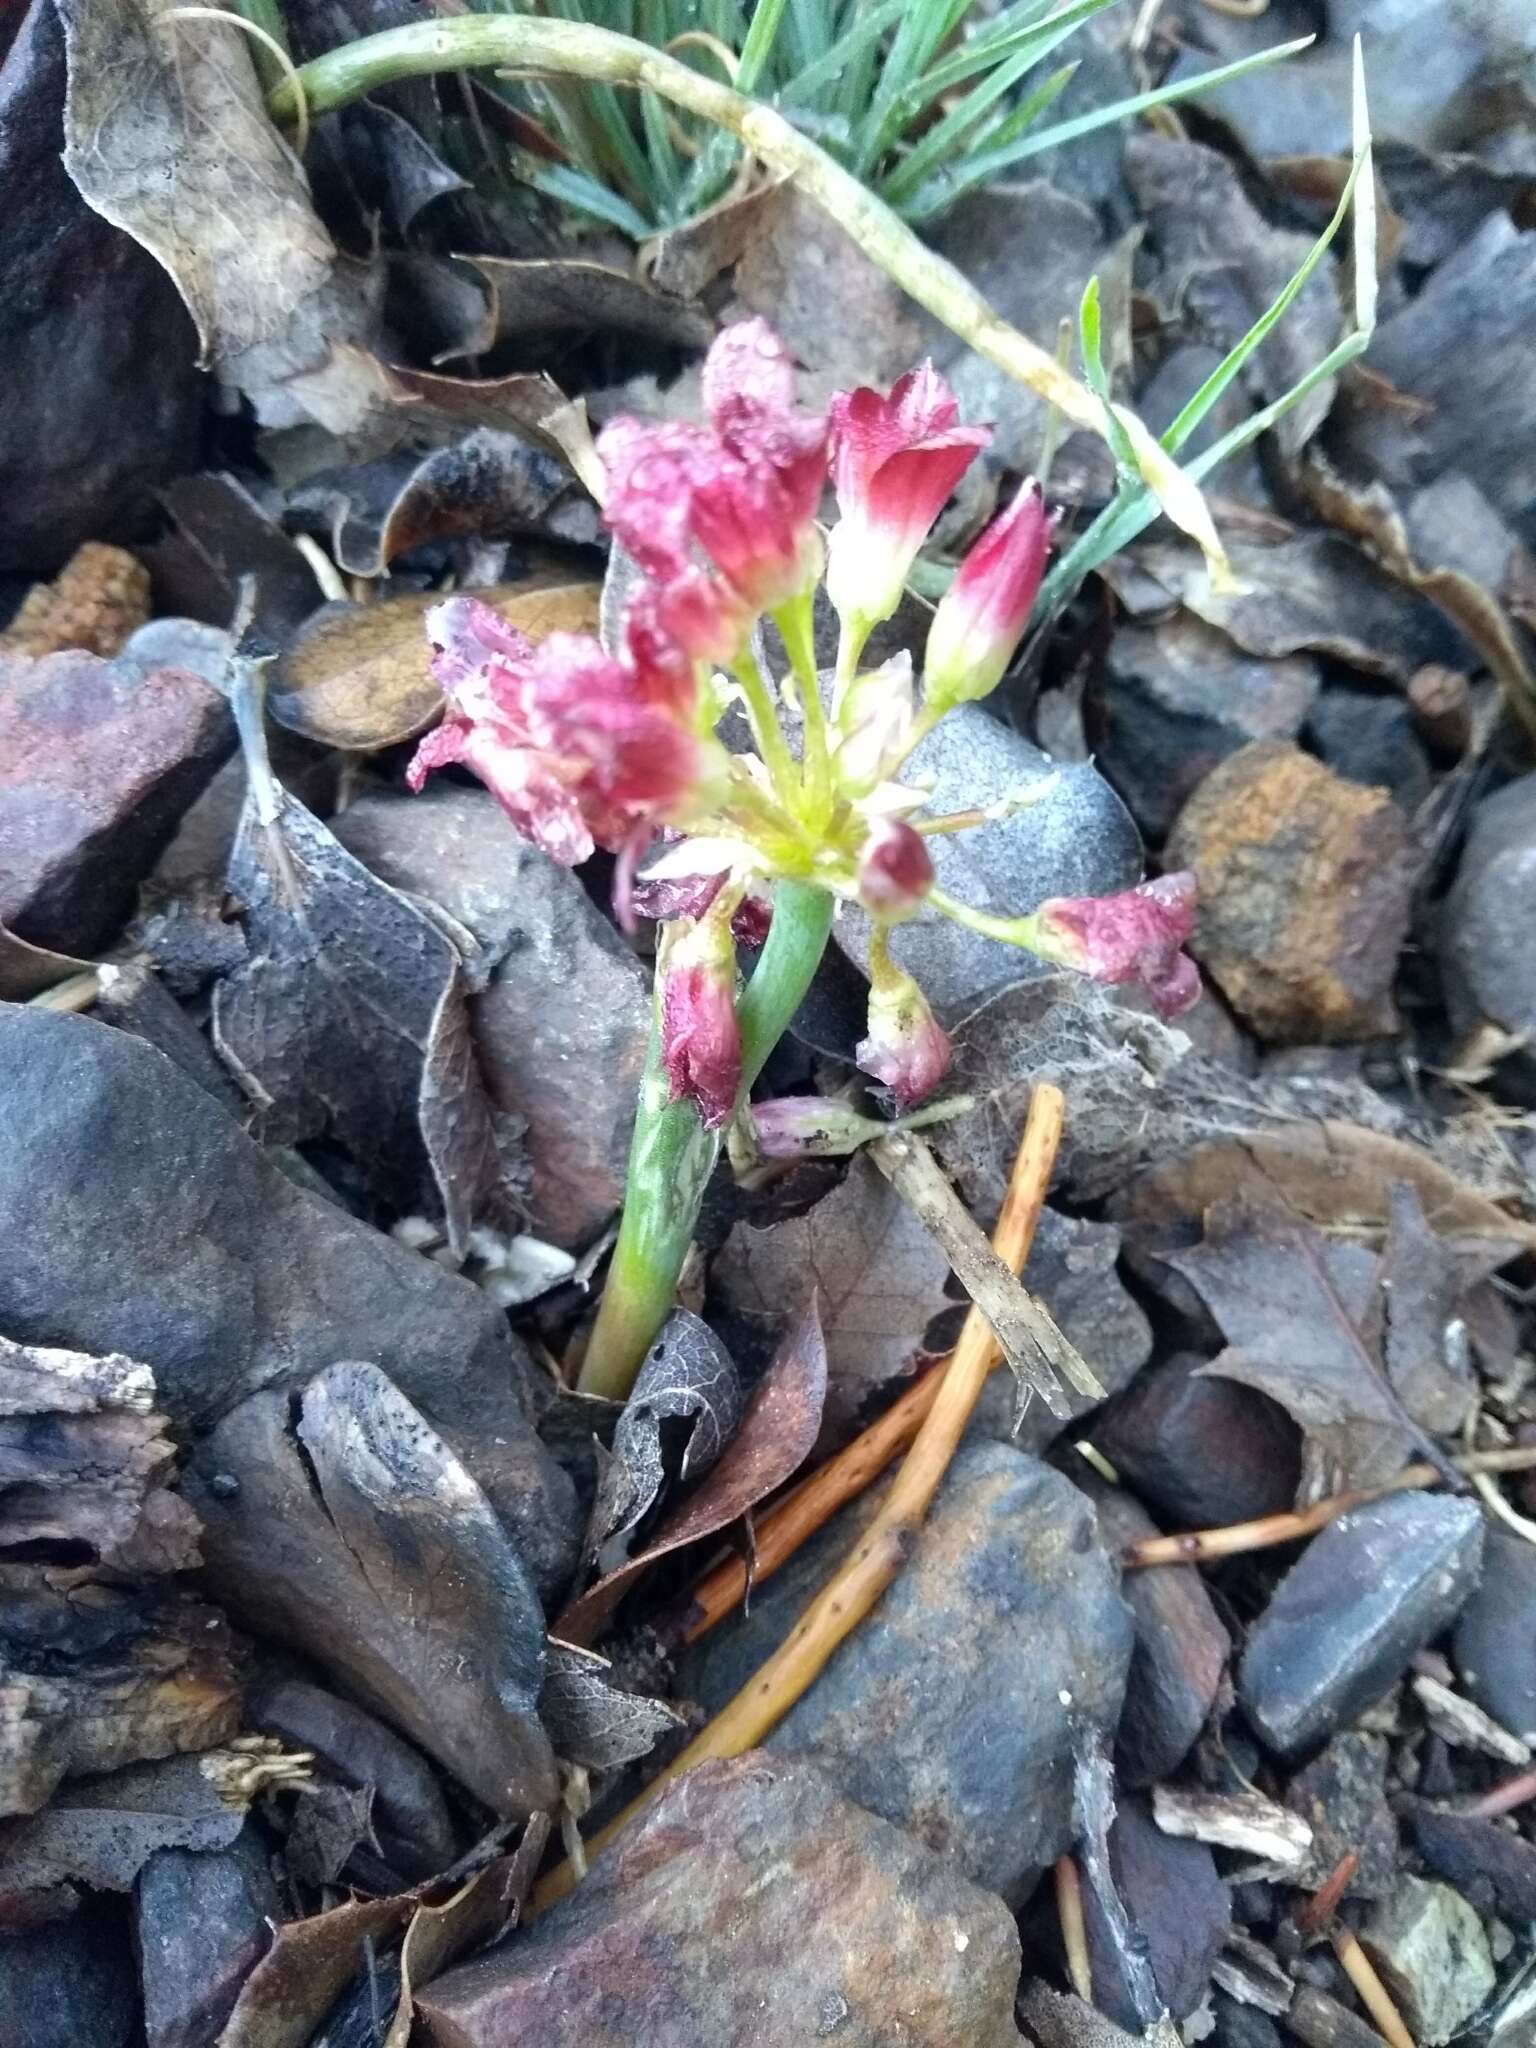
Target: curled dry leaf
(308, 1966)
(359, 677)
(592, 1721)
(347, 1015)
(27, 971)
(776, 1436)
(1305, 1332)
(690, 1378)
(544, 296)
(484, 1907)
(167, 136)
(84, 1461)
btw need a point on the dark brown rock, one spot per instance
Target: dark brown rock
(1305, 882)
(751, 1908)
(998, 1655)
(409, 1813)
(562, 1020)
(203, 1922)
(159, 1230)
(351, 1532)
(1202, 1452)
(1481, 1860)
(96, 767)
(1181, 1649)
(1176, 1915)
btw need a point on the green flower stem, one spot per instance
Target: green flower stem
(574, 49)
(767, 733)
(672, 1155)
(1023, 932)
(796, 624)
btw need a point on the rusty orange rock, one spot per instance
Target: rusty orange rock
(1305, 885)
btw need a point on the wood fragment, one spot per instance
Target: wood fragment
(1234, 1820)
(1074, 1934)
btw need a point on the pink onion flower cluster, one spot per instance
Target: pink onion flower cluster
(588, 746)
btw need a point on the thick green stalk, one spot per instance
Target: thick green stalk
(672, 1155)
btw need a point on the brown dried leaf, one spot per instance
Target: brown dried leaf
(483, 1908)
(1310, 590)
(688, 1377)
(684, 260)
(27, 971)
(347, 1015)
(1423, 1278)
(167, 136)
(358, 677)
(776, 1436)
(878, 1273)
(544, 296)
(591, 1720)
(83, 1463)
(1266, 1278)
(308, 1966)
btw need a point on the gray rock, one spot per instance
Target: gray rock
(178, 643)
(1495, 1642)
(1179, 696)
(70, 1985)
(1488, 936)
(562, 1020)
(1342, 1796)
(1373, 740)
(1181, 1649)
(1242, 2026)
(999, 1652)
(752, 1908)
(1430, 1947)
(97, 764)
(202, 1923)
(1077, 841)
(141, 1219)
(1370, 1590)
(1203, 1452)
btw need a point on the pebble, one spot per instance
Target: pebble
(1495, 1641)
(1181, 1652)
(562, 1021)
(97, 765)
(1481, 1860)
(1342, 1796)
(1001, 1650)
(70, 1984)
(202, 1923)
(1305, 888)
(1078, 840)
(1202, 1452)
(141, 1219)
(1176, 1912)
(753, 1907)
(1368, 1592)
(1429, 1946)
(1486, 948)
(1373, 739)
(1179, 697)
(1242, 2026)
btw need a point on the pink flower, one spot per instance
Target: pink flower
(895, 870)
(578, 749)
(981, 616)
(895, 461)
(905, 1046)
(667, 896)
(1135, 935)
(745, 489)
(700, 1037)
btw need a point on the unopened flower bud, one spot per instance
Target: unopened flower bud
(905, 1046)
(811, 1127)
(700, 1037)
(1135, 935)
(981, 616)
(895, 870)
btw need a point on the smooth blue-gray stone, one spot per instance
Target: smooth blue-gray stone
(1368, 1593)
